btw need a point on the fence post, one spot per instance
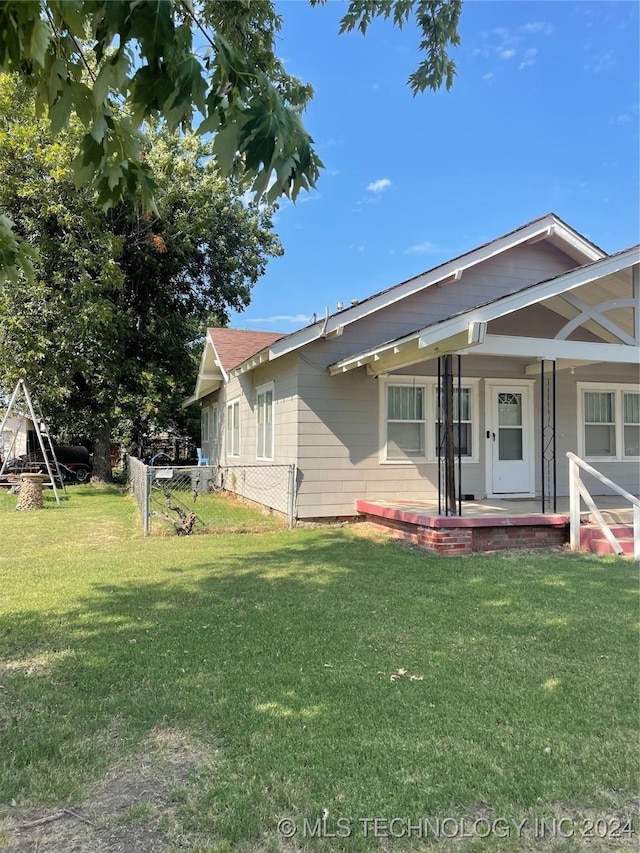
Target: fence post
(291, 494)
(146, 503)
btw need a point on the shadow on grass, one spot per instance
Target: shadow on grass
(335, 672)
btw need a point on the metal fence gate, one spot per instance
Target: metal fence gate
(272, 486)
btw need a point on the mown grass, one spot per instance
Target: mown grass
(319, 669)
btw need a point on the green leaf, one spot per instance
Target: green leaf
(60, 111)
(40, 38)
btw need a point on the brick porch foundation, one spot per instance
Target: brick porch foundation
(455, 535)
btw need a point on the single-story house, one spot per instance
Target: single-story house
(544, 330)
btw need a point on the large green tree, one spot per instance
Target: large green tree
(210, 65)
(104, 330)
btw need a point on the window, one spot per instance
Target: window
(610, 427)
(233, 428)
(214, 434)
(411, 424)
(264, 422)
(205, 424)
(631, 423)
(599, 423)
(464, 419)
(405, 421)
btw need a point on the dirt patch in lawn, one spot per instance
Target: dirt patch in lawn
(131, 810)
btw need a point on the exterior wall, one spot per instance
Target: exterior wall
(339, 440)
(13, 441)
(265, 489)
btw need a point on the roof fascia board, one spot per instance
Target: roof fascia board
(551, 349)
(255, 360)
(216, 356)
(542, 228)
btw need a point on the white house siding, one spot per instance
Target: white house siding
(339, 454)
(624, 472)
(263, 488)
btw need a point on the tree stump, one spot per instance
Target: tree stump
(30, 491)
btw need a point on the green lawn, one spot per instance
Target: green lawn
(287, 672)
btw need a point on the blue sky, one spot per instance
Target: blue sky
(543, 116)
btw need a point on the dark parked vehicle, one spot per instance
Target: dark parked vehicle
(74, 460)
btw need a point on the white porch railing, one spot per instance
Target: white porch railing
(577, 490)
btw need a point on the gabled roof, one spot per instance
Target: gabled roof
(460, 333)
(233, 346)
(549, 228)
(224, 350)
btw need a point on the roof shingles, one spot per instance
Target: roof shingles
(234, 346)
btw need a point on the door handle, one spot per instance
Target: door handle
(491, 435)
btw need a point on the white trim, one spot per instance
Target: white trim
(618, 389)
(490, 385)
(234, 453)
(261, 390)
(430, 385)
(550, 350)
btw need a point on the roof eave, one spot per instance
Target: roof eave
(455, 328)
(548, 227)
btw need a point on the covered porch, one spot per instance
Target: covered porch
(493, 524)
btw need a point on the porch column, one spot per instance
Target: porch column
(548, 488)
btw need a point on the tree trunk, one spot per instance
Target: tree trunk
(102, 456)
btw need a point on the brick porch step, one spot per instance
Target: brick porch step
(592, 538)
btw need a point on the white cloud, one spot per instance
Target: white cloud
(282, 318)
(622, 120)
(508, 53)
(602, 62)
(529, 58)
(489, 77)
(425, 248)
(536, 27)
(379, 185)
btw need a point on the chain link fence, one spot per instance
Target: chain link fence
(159, 490)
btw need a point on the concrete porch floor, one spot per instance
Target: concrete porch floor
(614, 509)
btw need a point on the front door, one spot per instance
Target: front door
(509, 441)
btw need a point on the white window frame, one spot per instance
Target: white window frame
(204, 424)
(214, 422)
(214, 434)
(430, 385)
(617, 389)
(262, 391)
(233, 451)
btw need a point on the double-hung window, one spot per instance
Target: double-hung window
(264, 422)
(411, 420)
(205, 424)
(462, 422)
(610, 427)
(233, 428)
(406, 422)
(631, 422)
(214, 431)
